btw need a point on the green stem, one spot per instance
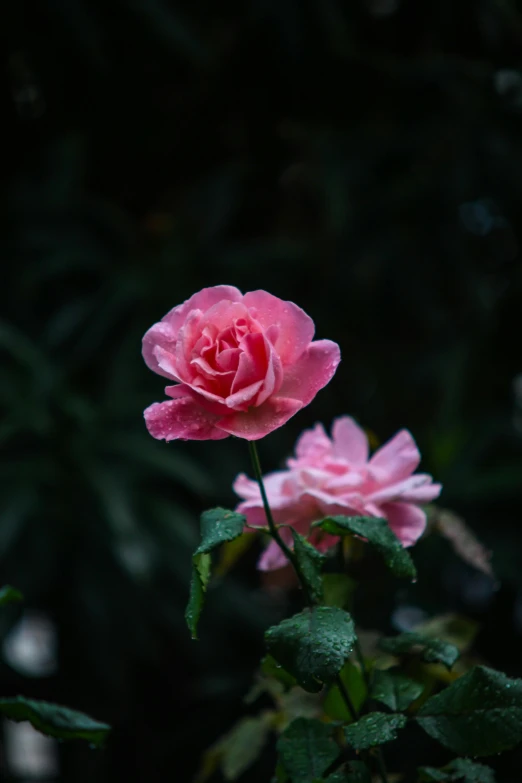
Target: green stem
(379, 758)
(346, 696)
(274, 532)
(272, 527)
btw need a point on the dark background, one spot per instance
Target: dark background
(363, 159)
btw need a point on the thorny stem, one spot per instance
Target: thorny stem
(274, 532)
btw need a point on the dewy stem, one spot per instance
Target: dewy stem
(274, 532)
(272, 527)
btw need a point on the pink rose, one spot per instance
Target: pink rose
(336, 476)
(243, 365)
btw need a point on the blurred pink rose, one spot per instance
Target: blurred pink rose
(243, 365)
(336, 476)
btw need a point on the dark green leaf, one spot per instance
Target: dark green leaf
(431, 650)
(198, 587)
(352, 772)
(310, 565)
(394, 689)
(378, 533)
(477, 715)
(458, 771)
(313, 645)
(55, 721)
(334, 704)
(270, 668)
(306, 750)
(217, 526)
(10, 595)
(338, 590)
(374, 729)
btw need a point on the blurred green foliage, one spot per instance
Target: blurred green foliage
(362, 159)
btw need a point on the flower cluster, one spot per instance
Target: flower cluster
(243, 365)
(336, 475)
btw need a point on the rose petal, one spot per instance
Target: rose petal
(350, 441)
(284, 502)
(166, 362)
(203, 300)
(241, 399)
(329, 505)
(258, 422)
(397, 459)
(323, 541)
(201, 398)
(207, 399)
(415, 489)
(181, 419)
(296, 328)
(311, 372)
(162, 338)
(165, 333)
(221, 315)
(245, 487)
(407, 522)
(272, 558)
(252, 367)
(255, 513)
(346, 482)
(312, 445)
(228, 360)
(275, 485)
(188, 335)
(209, 372)
(273, 378)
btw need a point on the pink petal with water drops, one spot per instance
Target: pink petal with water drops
(418, 488)
(295, 328)
(312, 445)
(349, 441)
(181, 419)
(273, 558)
(408, 522)
(397, 459)
(311, 372)
(258, 422)
(203, 300)
(160, 340)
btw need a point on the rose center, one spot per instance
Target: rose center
(216, 356)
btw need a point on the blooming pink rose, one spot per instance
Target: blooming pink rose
(336, 476)
(243, 365)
